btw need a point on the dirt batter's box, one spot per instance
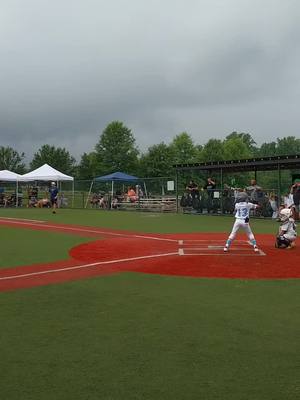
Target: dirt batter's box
(203, 247)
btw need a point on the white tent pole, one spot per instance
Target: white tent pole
(17, 194)
(73, 192)
(145, 188)
(90, 190)
(112, 193)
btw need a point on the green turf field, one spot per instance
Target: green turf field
(139, 221)
(138, 336)
(25, 246)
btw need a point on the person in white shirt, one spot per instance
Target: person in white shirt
(242, 209)
(287, 231)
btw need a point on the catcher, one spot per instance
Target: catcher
(287, 231)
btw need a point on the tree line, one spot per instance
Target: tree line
(116, 150)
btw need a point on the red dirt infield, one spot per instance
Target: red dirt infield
(194, 255)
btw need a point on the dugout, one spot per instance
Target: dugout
(223, 168)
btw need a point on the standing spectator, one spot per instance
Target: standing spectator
(192, 189)
(273, 205)
(253, 191)
(295, 191)
(210, 187)
(53, 196)
(288, 200)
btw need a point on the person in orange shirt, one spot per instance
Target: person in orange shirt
(131, 195)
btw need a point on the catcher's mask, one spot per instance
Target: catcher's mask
(285, 214)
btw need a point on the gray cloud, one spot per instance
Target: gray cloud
(207, 67)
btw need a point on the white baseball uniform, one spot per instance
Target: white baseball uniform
(242, 214)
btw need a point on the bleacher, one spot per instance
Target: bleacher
(153, 204)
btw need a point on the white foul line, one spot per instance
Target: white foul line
(23, 219)
(86, 266)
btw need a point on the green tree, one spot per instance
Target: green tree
(183, 148)
(213, 150)
(116, 149)
(11, 160)
(235, 147)
(246, 138)
(59, 158)
(157, 161)
(267, 150)
(88, 167)
(283, 146)
(288, 145)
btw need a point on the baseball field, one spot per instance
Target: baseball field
(124, 305)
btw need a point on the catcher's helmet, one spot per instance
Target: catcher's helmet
(285, 214)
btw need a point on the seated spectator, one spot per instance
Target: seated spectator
(32, 201)
(131, 195)
(43, 203)
(115, 203)
(62, 201)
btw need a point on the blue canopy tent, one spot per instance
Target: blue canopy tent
(115, 177)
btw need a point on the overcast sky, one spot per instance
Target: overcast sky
(69, 67)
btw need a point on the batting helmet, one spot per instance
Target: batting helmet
(242, 197)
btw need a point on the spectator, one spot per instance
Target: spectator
(210, 188)
(103, 201)
(95, 200)
(295, 191)
(192, 189)
(228, 204)
(273, 204)
(253, 191)
(139, 192)
(131, 195)
(43, 203)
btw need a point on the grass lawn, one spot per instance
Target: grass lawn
(147, 337)
(25, 246)
(139, 221)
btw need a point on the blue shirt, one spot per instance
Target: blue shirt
(53, 193)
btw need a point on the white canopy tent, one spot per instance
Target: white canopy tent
(9, 176)
(47, 173)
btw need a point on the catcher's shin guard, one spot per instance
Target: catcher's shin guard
(282, 242)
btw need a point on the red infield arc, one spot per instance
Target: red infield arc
(195, 255)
